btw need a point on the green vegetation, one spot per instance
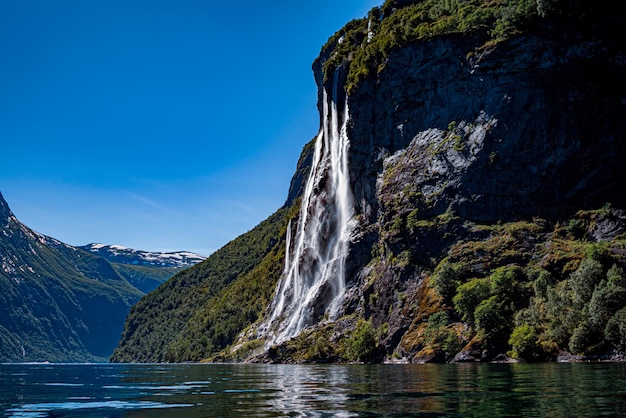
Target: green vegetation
(468, 296)
(524, 343)
(563, 292)
(347, 340)
(319, 344)
(197, 314)
(145, 278)
(435, 283)
(58, 303)
(446, 279)
(221, 319)
(579, 312)
(200, 311)
(440, 336)
(366, 43)
(361, 345)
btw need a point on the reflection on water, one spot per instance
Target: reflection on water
(194, 390)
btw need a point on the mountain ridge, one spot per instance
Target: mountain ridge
(62, 303)
(59, 303)
(146, 270)
(125, 255)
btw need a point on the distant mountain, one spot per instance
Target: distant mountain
(124, 255)
(143, 269)
(65, 303)
(58, 302)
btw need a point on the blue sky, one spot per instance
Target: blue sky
(160, 125)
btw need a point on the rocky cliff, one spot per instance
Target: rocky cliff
(454, 137)
(485, 164)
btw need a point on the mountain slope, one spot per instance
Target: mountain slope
(480, 144)
(144, 269)
(487, 212)
(58, 303)
(190, 328)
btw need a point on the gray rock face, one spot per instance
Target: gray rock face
(557, 101)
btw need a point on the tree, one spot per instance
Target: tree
(606, 300)
(524, 343)
(615, 330)
(585, 279)
(585, 339)
(446, 279)
(468, 297)
(491, 318)
(361, 345)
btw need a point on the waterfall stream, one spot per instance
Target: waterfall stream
(313, 281)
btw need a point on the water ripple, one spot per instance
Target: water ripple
(42, 409)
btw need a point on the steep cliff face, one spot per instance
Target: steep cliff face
(554, 144)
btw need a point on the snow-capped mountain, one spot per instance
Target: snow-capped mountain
(124, 255)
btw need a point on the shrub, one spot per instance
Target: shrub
(446, 279)
(524, 343)
(542, 283)
(413, 220)
(468, 297)
(361, 345)
(435, 332)
(616, 276)
(397, 23)
(440, 336)
(599, 252)
(492, 318)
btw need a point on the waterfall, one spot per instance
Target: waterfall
(313, 280)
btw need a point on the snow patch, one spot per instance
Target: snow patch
(125, 255)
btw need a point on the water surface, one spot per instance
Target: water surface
(224, 390)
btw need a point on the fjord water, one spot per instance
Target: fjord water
(236, 390)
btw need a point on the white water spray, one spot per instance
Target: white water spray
(313, 281)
